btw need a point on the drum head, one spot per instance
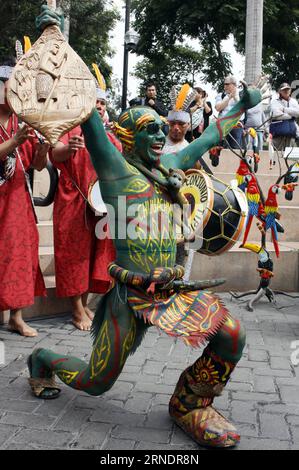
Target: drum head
(218, 212)
(198, 190)
(95, 198)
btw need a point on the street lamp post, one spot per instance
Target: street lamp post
(130, 42)
(126, 57)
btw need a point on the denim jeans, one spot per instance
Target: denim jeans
(234, 138)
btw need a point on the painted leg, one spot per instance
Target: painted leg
(17, 324)
(79, 317)
(191, 404)
(116, 333)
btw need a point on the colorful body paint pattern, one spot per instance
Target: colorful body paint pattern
(192, 316)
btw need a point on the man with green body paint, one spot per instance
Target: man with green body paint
(145, 270)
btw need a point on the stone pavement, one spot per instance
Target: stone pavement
(262, 398)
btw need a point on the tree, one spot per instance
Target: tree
(90, 24)
(163, 24)
(280, 41)
(177, 65)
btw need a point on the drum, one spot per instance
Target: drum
(218, 211)
(95, 199)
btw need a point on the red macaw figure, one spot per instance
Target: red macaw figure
(241, 172)
(254, 202)
(271, 211)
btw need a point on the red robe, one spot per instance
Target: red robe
(81, 259)
(20, 275)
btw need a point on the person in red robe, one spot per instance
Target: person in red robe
(81, 259)
(20, 274)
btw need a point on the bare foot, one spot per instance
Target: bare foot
(89, 313)
(81, 321)
(19, 326)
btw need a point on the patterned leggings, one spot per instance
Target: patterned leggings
(118, 334)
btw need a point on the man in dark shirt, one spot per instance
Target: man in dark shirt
(150, 100)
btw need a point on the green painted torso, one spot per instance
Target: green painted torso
(143, 232)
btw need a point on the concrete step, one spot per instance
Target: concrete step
(46, 260)
(238, 266)
(45, 229)
(44, 214)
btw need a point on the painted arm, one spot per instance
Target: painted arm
(108, 162)
(214, 134)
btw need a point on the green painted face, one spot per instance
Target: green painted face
(149, 142)
(141, 127)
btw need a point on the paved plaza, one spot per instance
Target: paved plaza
(262, 398)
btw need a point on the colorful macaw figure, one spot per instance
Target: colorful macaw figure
(254, 202)
(214, 153)
(245, 169)
(271, 211)
(289, 190)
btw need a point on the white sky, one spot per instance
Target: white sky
(117, 41)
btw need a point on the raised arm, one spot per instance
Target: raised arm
(106, 159)
(214, 134)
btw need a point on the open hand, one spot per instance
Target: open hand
(23, 133)
(250, 97)
(75, 143)
(48, 17)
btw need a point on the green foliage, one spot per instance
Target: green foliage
(90, 24)
(17, 20)
(162, 24)
(177, 65)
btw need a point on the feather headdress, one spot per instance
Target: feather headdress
(101, 84)
(27, 44)
(181, 100)
(19, 50)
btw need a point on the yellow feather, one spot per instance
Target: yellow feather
(27, 44)
(100, 78)
(182, 96)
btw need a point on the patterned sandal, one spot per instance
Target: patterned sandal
(40, 385)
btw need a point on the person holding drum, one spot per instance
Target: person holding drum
(81, 259)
